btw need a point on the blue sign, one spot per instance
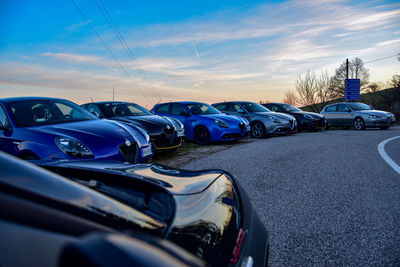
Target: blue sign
(352, 89)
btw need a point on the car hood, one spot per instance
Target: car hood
(177, 182)
(93, 131)
(222, 117)
(272, 114)
(151, 123)
(283, 116)
(373, 112)
(315, 115)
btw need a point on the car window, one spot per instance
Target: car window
(3, 118)
(236, 107)
(273, 107)
(49, 111)
(202, 109)
(342, 108)
(179, 109)
(94, 109)
(331, 108)
(163, 109)
(254, 107)
(222, 107)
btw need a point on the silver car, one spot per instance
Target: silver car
(358, 115)
(263, 122)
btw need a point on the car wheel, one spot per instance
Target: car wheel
(258, 130)
(201, 135)
(384, 127)
(359, 124)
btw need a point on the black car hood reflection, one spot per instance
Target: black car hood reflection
(177, 182)
(49, 187)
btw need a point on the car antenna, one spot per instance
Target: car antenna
(92, 99)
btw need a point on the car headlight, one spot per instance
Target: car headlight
(374, 117)
(308, 117)
(72, 147)
(221, 124)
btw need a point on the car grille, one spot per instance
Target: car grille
(232, 136)
(129, 152)
(166, 139)
(242, 128)
(320, 123)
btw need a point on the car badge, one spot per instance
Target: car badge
(168, 127)
(127, 142)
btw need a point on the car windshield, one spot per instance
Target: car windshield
(290, 108)
(202, 109)
(359, 106)
(254, 107)
(47, 111)
(123, 110)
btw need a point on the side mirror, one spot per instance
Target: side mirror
(349, 110)
(2, 128)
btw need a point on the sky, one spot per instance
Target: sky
(151, 52)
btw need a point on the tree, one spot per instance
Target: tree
(391, 95)
(372, 89)
(311, 90)
(357, 70)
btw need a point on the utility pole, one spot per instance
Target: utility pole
(347, 73)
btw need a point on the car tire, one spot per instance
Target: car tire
(384, 127)
(359, 124)
(258, 130)
(201, 135)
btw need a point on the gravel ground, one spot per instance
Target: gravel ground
(327, 198)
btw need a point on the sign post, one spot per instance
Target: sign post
(352, 89)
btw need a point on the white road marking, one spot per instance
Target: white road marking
(384, 155)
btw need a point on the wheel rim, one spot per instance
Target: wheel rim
(202, 135)
(257, 130)
(358, 124)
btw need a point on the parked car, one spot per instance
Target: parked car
(48, 220)
(205, 213)
(263, 122)
(203, 123)
(305, 120)
(50, 128)
(165, 133)
(358, 115)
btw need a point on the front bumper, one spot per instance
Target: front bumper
(230, 134)
(314, 124)
(381, 122)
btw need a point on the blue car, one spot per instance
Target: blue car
(203, 123)
(35, 128)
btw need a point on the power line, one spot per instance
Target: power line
(121, 39)
(109, 50)
(380, 59)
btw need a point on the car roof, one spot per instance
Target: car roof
(27, 98)
(182, 102)
(109, 102)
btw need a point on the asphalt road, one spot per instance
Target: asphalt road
(327, 198)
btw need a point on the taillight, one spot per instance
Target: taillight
(238, 244)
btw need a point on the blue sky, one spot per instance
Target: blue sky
(188, 50)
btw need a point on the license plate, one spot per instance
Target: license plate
(180, 134)
(146, 151)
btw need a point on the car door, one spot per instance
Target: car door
(8, 143)
(181, 113)
(330, 115)
(343, 115)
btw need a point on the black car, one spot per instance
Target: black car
(165, 133)
(205, 212)
(305, 120)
